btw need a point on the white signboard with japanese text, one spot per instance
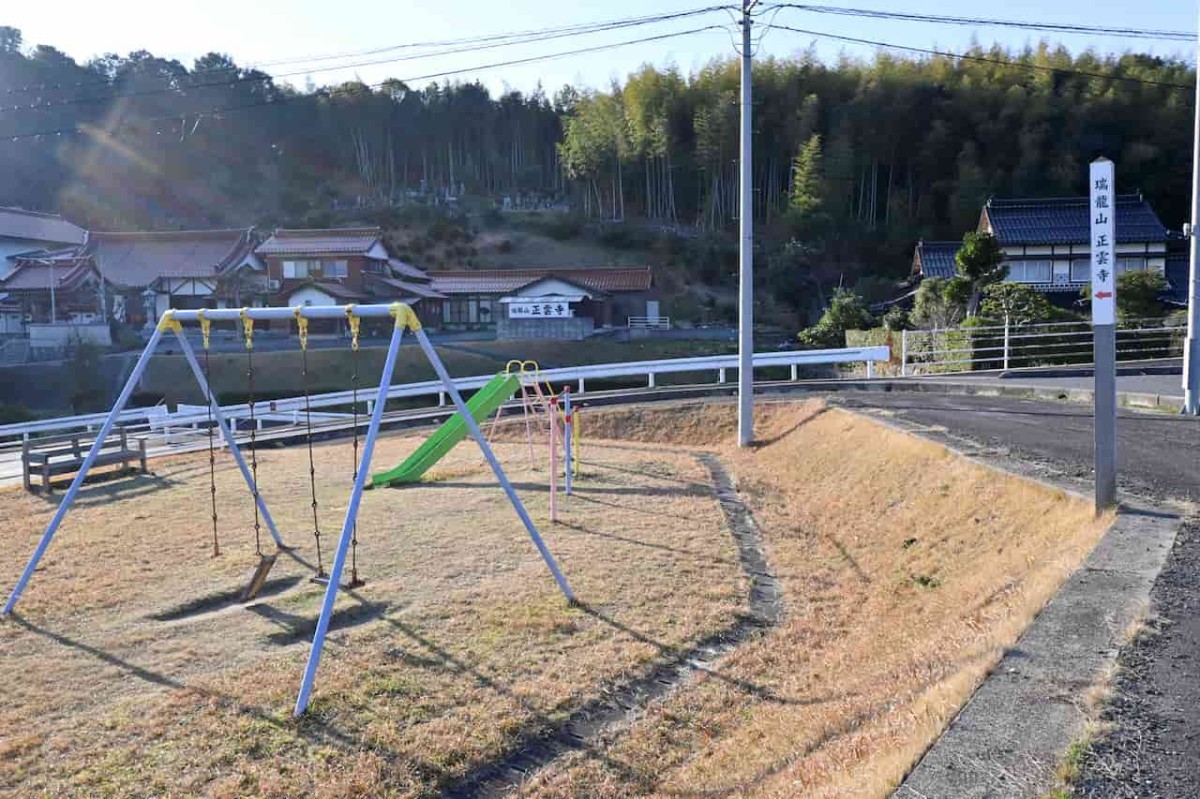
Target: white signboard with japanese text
(540, 310)
(1103, 216)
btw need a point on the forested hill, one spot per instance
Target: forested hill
(890, 149)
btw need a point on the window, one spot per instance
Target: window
(455, 311)
(1030, 271)
(1081, 270)
(469, 311)
(1130, 265)
(336, 269)
(299, 270)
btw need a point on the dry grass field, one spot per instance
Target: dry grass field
(129, 671)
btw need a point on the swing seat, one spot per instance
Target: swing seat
(349, 585)
(260, 577)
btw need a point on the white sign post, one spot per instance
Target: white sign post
(1102, 211)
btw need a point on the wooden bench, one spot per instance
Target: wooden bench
(64, 454)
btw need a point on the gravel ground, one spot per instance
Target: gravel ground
(1153, 747)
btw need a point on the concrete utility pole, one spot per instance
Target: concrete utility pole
(1191, 353)
(746, 250)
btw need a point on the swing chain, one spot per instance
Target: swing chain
(248, 328)
(212, 457)
(302, 329)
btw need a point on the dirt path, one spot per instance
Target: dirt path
(603, 718)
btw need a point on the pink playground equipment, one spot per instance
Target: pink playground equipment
(548, 418)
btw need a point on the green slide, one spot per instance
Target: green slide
(483, 404)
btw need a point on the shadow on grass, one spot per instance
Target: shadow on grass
(691, 484)
(313, 732)
(582, 497)
(766, 442)
(106, 487)
(704, 556)
(222, 599)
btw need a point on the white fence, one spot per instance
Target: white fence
(171, 426)
(1018, 346)
(650, 322)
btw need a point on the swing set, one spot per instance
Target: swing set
(347, 545)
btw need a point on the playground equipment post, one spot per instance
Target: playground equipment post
(567, 422)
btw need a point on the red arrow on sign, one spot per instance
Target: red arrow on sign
(1103, 295)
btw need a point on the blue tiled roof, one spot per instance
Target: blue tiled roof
(1065, 220)
(1177, 276)
(936, 258)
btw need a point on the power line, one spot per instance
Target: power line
(941, 19)
(465, 45)
(579, 28)
(83, 128)
(985, 60)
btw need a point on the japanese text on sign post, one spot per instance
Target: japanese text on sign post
(1102, 209)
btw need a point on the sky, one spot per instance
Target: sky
(269, 31)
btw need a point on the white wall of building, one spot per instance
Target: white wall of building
(309, 295)
(60, 335)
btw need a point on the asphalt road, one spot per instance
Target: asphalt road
(1158, 454)
(1164, 385)
(1153, 749)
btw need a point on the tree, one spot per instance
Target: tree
(940, 302)
(980, 262)
(10, 39)
(1138, 295)
(846, 311)
(1016, 302)
(804, 199)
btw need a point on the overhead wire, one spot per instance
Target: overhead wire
(326, 92)
(457, 47)
(581, 28)
(946, 19)
(984, 59)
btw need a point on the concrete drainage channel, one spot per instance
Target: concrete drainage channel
(604, 717)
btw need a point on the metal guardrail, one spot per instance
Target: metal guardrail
(159, 422)
(1008, 346)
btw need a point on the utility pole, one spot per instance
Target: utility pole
(1191, 353)
(746, 250)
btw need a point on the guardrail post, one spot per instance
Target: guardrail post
(650, 383)
(1006, 342)
(720, 375)
(441, 398)
(795, 372)
(581, 385)
(903, 353)
(870, 369)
